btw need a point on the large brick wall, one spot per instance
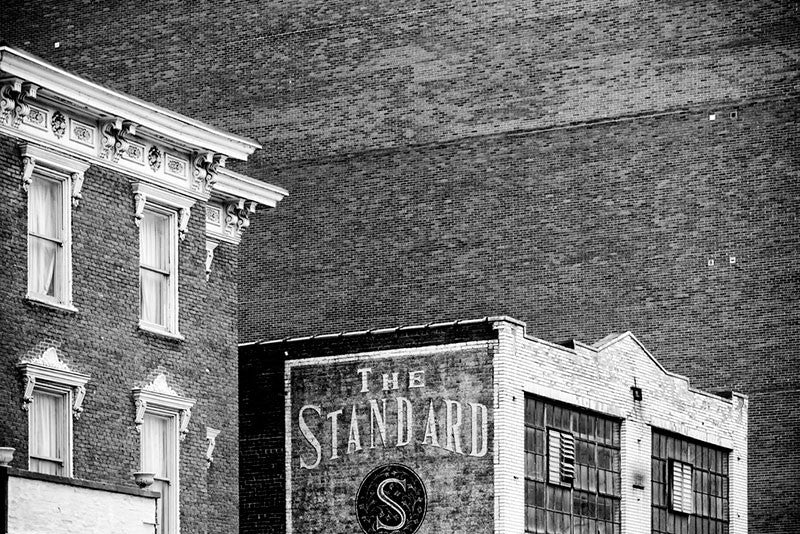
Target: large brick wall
(311, 78)
(102, 339)
(324, 373)
(563, 147)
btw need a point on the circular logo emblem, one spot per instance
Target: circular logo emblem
(391, 499)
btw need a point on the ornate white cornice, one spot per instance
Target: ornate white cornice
(158, 396)
(152, 119)
(79, 119)
(48, 368)
(234, 199)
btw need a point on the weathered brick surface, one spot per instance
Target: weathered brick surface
(368, 112)
(102, 339)
(323, 374)
(311, 78)
(465, 494)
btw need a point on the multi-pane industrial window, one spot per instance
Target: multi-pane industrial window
(690, 486)
(157, 273)
(572, 470)
(49, 431)
(160, 456)
(48, 238)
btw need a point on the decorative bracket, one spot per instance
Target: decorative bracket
(211, 246)
(12, 100)
(159, 397)
(237, 216)
(114, 142)
(27, 395)
(77, 185)
(49, 369)
(211, 436)
(183, 222)
(28, 163)
(183, 429)
(205, 168)
(140, 199)
(141, 408)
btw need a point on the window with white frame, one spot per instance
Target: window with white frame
(162, 419)
(52, 395)
(50, 430)
(53, 183)
(157, 269)
(159, 455)
(162, 218)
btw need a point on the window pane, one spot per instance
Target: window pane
(154, 296)
(48, 433)
(155, 240)
(45, 207)
(156, 446)
(45, 262)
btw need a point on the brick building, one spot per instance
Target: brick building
(615, 165)
(474, 426)
(120, 251)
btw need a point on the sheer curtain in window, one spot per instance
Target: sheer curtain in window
(45, 230)
(158, 443)
(47, 447)
(154, 245)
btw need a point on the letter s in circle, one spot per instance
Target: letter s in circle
(392, 504)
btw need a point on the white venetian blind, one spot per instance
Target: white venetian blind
(154, 253)
(45, 234)
(682, 498)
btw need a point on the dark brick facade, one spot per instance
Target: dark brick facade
(326, 494)
(102, 339)
(552, 162)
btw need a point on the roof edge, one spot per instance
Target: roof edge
(146, 115)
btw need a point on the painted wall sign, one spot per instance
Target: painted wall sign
(394, 422)
(391, 499)
(373, 440)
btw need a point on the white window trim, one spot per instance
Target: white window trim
(159, 399)
(70, 173)
(49, 373)
(178, 208)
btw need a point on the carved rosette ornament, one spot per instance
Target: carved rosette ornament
(155, 158)
(59, 124)
(12, 101)
(114, 142)
(237, 216)
(205, 166)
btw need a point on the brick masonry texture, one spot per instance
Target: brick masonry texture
(432, 173)
(102, 339)
(498, 368)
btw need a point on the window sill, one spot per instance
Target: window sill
(52, 304)
(160, 331)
